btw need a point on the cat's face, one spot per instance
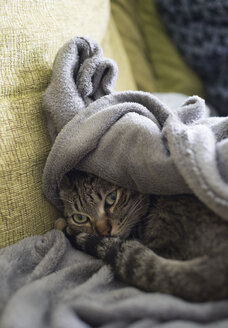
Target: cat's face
(95, 206)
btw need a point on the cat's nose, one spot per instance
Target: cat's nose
(104, 228)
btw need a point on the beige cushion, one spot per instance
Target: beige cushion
(113, 47)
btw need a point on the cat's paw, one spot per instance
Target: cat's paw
(60, 224)
(101, 247)
(85, 241)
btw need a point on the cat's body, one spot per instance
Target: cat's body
(169, 244)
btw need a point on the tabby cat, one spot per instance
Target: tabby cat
(167, 244)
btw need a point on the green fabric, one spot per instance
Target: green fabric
(127, 22)
(156, 64)
(111, 42)
(28, 45)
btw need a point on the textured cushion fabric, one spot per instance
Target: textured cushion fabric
(31, 34)
(128, 24)
(113, 47)
(157, 66)
(199, 30)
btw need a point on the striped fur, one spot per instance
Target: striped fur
(177, 246)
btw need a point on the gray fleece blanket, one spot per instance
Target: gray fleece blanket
(45, 283)
(161, 144)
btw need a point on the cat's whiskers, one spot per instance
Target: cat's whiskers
(131, 219)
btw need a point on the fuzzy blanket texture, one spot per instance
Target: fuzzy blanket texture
(199, 29)
(46, 283)
(161, 144)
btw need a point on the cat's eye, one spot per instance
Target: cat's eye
(111, 198)
(80, 218)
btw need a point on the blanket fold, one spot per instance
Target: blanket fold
(161, 144)
(61, 287)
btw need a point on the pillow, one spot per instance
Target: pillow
(113, 47)
(156, 64)
(31, 34)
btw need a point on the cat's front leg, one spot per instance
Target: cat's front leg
(132, 262)
(127, 257)
(136, 265)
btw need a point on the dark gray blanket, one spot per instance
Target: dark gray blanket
(44, 283)
(133, 139)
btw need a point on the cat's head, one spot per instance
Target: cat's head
(96, 206)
